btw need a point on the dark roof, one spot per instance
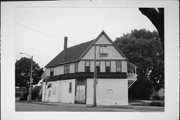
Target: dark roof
(72, 54)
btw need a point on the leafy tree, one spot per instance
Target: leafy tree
(22, 72)
(143, 48)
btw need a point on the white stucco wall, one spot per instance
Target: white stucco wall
(102, 66)
(43, 91)
(124, 66)
(113, 66)
(59, 70)
(81, 67)
(90, 90)
(47, 72)
(103, 40)
(112, 53)
(92, 66)
(50, 94)
(72, 67)
(59, 91)
(67, 97)
(109, 92)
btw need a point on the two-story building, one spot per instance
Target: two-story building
(69, 77)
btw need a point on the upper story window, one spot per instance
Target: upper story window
(51, 71)
(67, 69)
(87, 66)
(98, 66)
(118, 66)
(76, 67)
(103, 51)
(108, 66)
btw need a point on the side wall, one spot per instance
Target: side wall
(109, 92)
(66, 96)
(59, 91)
(50, 93)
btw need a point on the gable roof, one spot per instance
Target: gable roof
(76, 52)
(72, 54)
(108, 38)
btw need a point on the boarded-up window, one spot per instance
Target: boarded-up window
(70, 87)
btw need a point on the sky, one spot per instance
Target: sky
(40, 31)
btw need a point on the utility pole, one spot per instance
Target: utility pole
(95, 75)
(31, 82)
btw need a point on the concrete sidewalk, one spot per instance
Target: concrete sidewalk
(130, 106)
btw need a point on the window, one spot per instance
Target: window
(76, 67)
(118, 66)
(67, 69)
(70, 87)
(49, 85)
(108, 67)
(103, 51)
(51, 71)
(87, 66)
(97, 67)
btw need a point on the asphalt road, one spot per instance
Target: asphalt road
(23, 106)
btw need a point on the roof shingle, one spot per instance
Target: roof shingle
(72, 54)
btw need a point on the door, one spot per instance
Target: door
(80, 91)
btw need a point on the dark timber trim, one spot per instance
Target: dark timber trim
(85, 75)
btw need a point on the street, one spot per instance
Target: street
(40, 106)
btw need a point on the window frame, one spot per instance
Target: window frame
(51, 71)
(102, 49)
(70, 87)
(119, 66)
(106, 66)
(87, 68)
(76, 67)
(98, 68)
(67, 69)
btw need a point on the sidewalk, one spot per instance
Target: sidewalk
(135, 105)
(57, 106)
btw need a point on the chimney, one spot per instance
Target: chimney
(65, 46)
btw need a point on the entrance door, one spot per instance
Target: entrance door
(80, 91)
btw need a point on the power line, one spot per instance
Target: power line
(32, 29)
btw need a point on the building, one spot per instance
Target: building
(69, 77)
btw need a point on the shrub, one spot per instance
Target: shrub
(24, 96)
(18, 94)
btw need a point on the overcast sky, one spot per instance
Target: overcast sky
(40, 31)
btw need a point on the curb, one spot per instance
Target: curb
(39, 103)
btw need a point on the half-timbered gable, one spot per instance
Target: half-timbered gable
(70, 75)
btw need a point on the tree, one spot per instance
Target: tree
(143, 48)
(22, 72)
(156, 16)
